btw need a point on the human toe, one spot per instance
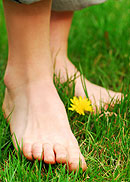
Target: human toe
(61, 153)
(76, 159)
(27, 151)
(48, 153)
(37, 151)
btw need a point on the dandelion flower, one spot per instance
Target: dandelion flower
(81, 105)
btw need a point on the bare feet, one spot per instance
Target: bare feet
(39, 121)
(97, 94)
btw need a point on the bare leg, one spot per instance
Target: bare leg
(38, 117)
(60, 26)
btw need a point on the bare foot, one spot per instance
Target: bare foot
(98, 95)
(39, 121)
(60, 27)
(37, 116)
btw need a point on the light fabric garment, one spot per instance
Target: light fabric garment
(66, 5)
(72, 5)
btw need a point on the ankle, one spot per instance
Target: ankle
(21, 75)
(59, 53)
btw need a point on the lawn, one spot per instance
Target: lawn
(99, 41)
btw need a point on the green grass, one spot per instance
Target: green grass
(100, 42)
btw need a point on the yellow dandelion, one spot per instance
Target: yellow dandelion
(81, 105)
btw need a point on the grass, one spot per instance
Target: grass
(100, 41)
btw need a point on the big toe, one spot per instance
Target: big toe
(76, 159)
(115, 95)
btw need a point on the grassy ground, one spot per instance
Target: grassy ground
(100, 41)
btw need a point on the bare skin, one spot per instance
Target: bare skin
(60, 26)
(37, 115)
